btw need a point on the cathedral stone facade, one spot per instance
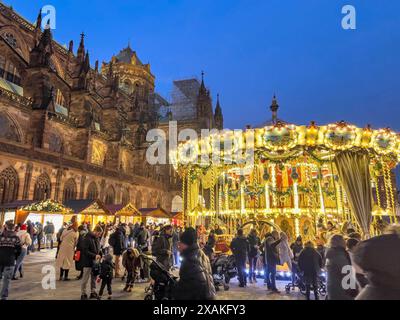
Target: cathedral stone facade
(72, 131)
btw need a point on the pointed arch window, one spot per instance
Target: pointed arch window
(138, 200)
(8, 185)
(125, 197)
(8, 130)
(110, 196)
(70, 190)
(42, 189)
(92, 192)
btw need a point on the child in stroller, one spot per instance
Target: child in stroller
(223, 269)
(162, 284)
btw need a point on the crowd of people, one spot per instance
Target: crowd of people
(355, 269)
(105, 252)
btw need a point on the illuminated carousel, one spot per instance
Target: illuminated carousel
(292, 178)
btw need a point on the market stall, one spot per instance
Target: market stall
(177, 219)
(90, 211)
(9, 210)
(44, 211)
(125, 214)
(155, 216)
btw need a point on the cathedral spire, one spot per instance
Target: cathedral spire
(274, 109)
(203, 89)
(71, 47)
(39, 20)
(218, 117)
(81, 49)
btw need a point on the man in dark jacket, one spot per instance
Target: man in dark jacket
(254, 245)
(39, 234)
(162, 247)
(379, 258)
(117, 241)
(195, 276)
(272, 258)
(90, 256)
(10, 249)
(310, 263)
(240, 250)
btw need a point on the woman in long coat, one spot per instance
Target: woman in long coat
(65, 257)
(285, 253)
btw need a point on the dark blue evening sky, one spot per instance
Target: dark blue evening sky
(250, 49)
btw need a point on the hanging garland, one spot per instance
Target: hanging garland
(46, 206)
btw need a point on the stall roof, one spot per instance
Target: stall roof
(155, 213)
(16, 204)
(88, 205)
(127, 210)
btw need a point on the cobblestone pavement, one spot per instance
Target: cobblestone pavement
(30, 287)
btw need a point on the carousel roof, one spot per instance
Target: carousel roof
(281, 141)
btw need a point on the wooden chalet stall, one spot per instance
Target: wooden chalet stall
(155, 215)
(90, 211)
(125, 213)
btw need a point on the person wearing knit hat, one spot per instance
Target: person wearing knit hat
(195, 275)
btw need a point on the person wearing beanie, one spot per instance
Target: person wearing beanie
(195, 275)
(26, 241)
(90, 255)
(10, 248)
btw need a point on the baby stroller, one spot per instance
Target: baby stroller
(163, 282)
(223, 269)
(298, 282)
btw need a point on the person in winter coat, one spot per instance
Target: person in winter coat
(296, 248)
(362, 280)
(310, 263)
(195, 275)
(271, 252)
(79, 250)
(162, 247)
(26, 241)
(48, 231)
(31, 230)
(379, 258)
(254, 246)
(58, 236)
(337, 263)
(10, 249)
(240, 250)
(210, 245)
(65, 257)
(91, 255)
(39, 235)
(285, 253)
(131, 262)
(117, 242)
(175, 252)
(106, 275)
